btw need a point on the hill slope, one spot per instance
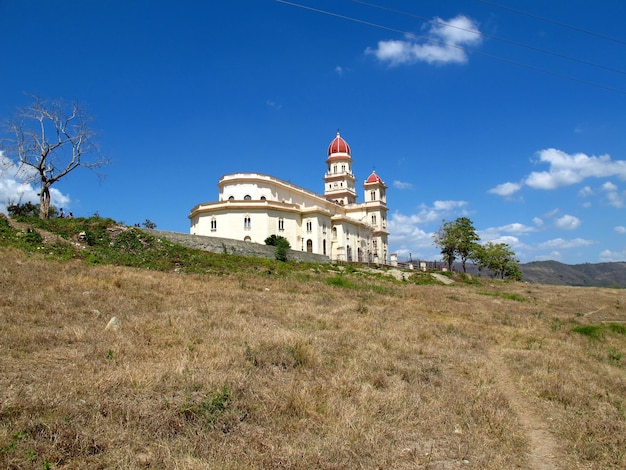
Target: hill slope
(553, 272)
(303, 369)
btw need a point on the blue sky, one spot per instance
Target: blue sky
(511, 113)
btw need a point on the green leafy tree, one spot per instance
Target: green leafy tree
(445, 239)
(499, 259)
(47, 141)
(467, 239)
(457, 239)
(282, 246)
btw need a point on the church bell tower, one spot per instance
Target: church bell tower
(339, 180)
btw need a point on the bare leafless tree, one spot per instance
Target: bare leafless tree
(49, 139)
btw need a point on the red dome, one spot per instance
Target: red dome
(338, 145)
(374, 178)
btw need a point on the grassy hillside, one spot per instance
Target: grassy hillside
(223, 362)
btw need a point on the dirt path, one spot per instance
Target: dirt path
(543, 445)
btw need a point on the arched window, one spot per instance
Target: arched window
(247, 238)
(281, 224)
(247, 222)
(324, 246)
(213, 224)
(247, 197)
(373, 219)
(231, 198)
(335, 233)
(373, 195)
(309, 245)
(263, 198)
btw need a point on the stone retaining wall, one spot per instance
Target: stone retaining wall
(236, 247)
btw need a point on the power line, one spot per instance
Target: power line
(558, 23)
(494, 57)
(497, 38)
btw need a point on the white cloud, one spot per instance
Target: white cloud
(561, 243)
(273, 104)
(537, 221)
(514, 228)
(506, 189)
(508, 239)
(448, 205)
(428, 214)
(620, 229)
(568, 169)
(339, 70)
(402, 185)
(445, 43)
(567, 222)
(15, 187)
(608, 256)
(414, 233)
(613, 196)
(508, 234)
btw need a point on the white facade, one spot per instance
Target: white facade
(254, 206)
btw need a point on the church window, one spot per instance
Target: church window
(309, 245)
(373, 219)
(343, 168)
(323, 229)
(324, 246)
(309, 226)
(373, 195)
(375, 245)
(247, 238)
(231, 198)
(247, 197)
(263, 198)
(247, 222)
(335, 169)
(281, 224)
(213, 224)
(334, 233)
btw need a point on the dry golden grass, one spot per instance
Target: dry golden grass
(241, 372)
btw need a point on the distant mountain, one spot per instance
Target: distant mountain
(590, 275)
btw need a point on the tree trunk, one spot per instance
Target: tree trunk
(44, 202)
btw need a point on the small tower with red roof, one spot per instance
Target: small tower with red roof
(375, 200)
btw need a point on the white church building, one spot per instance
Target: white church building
(253, 206)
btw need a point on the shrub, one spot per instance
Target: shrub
(282, 246)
